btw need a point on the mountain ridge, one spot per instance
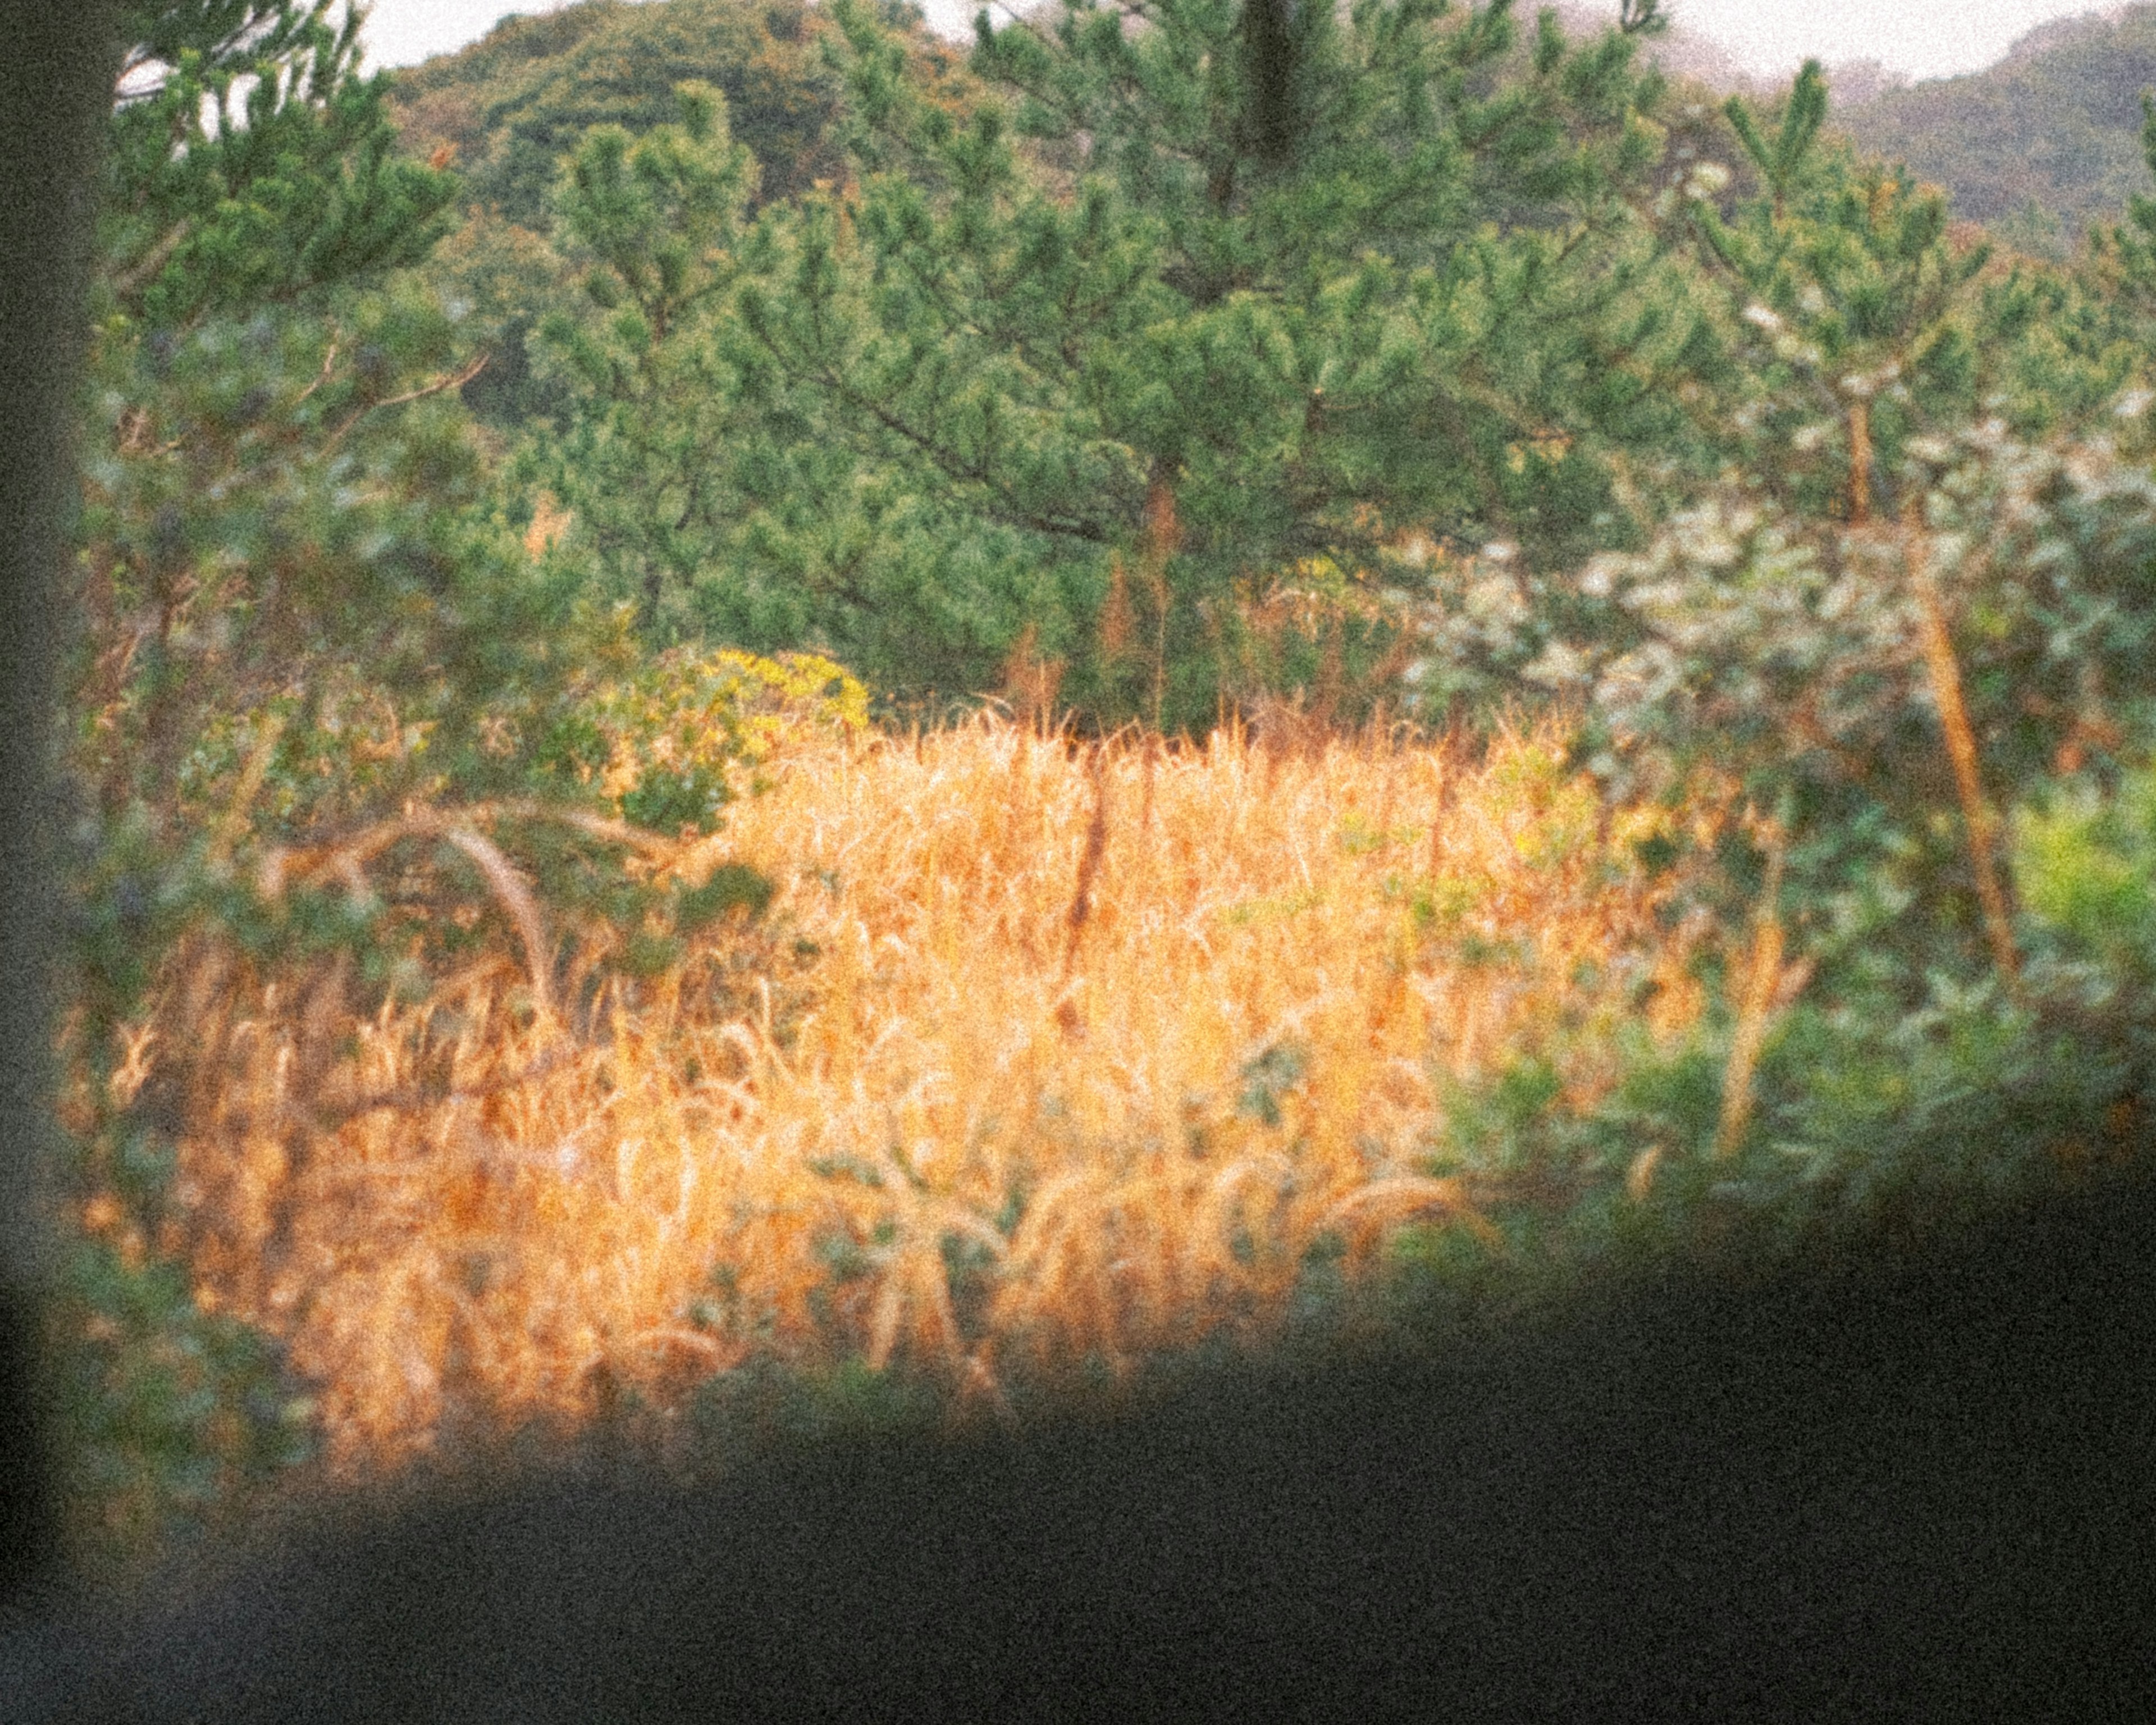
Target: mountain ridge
(2037, 146)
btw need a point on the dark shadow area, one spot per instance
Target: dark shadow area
(1903, 1487)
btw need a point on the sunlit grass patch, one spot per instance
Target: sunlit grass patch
(1040, 1054)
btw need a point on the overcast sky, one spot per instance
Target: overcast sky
(1926, 38)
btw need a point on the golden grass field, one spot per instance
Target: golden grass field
(1197, 1007)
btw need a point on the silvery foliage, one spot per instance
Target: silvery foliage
(1778, 645)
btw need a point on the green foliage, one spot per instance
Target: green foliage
(1076, 367)
(670, 744)
(1874, 1121)
(1772, 629)
(261, 514)
(258, 166)
(769, 1402)
(2085, 873)
(1480, 358)
(508, 108)
(312, 646)
(1777, 161)
(172, 1413)
(1791, 653)
(513, 103)
(2087, 868)
(1923, 530)
(1864, 320)
(2119, 263)
(658, 217)
(1267, 1077)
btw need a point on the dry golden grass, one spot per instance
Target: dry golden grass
(1038, 970)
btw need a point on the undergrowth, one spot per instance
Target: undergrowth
(1042, 1071)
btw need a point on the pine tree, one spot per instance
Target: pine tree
(507, 108)
(1896, 585)
(251, 162)
(301, 609)
(1101, 358)
(641, 467)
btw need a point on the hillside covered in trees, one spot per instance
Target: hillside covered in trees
(505, 110)
(776, 723)
(2038, 146)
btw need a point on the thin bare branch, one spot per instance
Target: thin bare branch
(455, 380)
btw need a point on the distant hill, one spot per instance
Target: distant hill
(510, 105)
(2035, 146)
(505, 109)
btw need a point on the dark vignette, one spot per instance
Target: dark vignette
(56, 73)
